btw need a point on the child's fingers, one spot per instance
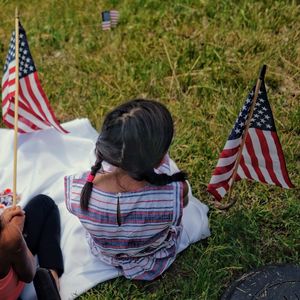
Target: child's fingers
(11, 212)
(19, 221)
(17, 210)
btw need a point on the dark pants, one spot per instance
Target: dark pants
(42, 232)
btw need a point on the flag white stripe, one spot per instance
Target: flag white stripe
(221, 191)
(248, 163)
(230, 144)
(259, 155)
(12, 64)
(240, 172)
(275, 158)
(218, 178)
(223, 162)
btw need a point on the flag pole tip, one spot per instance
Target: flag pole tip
(262, 72)
(16, 12)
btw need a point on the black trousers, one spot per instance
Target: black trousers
(42, 232)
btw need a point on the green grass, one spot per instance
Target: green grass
(200, 58)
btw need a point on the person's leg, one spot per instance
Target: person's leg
(42, 232)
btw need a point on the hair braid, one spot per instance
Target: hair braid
(88, 187)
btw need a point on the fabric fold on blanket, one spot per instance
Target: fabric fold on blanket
(44, 158)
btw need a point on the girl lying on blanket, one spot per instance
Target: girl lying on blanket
(24, 233)
(129, 203)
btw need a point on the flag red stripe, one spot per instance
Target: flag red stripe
(12, 70)
(237, 177)
(214, 193)
(5, 84)
(266, 153)
(229, 152)
(245, 168)
(281, 160)
(224, 169)
(254, 160)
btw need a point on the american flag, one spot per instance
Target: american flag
(109, 19)
(262, 158)
(34, 111)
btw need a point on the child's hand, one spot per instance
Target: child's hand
(12, 223)
(12, 212)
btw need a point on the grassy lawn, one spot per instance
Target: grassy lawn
(200, 58)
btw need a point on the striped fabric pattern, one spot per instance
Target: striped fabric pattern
(145, 244)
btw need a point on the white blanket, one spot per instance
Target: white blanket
(44, 158)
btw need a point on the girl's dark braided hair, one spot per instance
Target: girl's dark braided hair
(135, 137)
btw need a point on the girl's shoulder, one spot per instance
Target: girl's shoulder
(74, 184)
(75, 179)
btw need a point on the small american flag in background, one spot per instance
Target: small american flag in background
(34, 111)
(262, 157)
(109, 19)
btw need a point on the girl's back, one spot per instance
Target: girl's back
(131, 228)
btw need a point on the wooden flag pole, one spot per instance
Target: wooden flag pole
(16, 108)
(237, 162)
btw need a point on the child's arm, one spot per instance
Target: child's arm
(13, 246)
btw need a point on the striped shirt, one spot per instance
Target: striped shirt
(144, 244)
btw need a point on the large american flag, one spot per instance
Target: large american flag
(262, 158)
(34, 111)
